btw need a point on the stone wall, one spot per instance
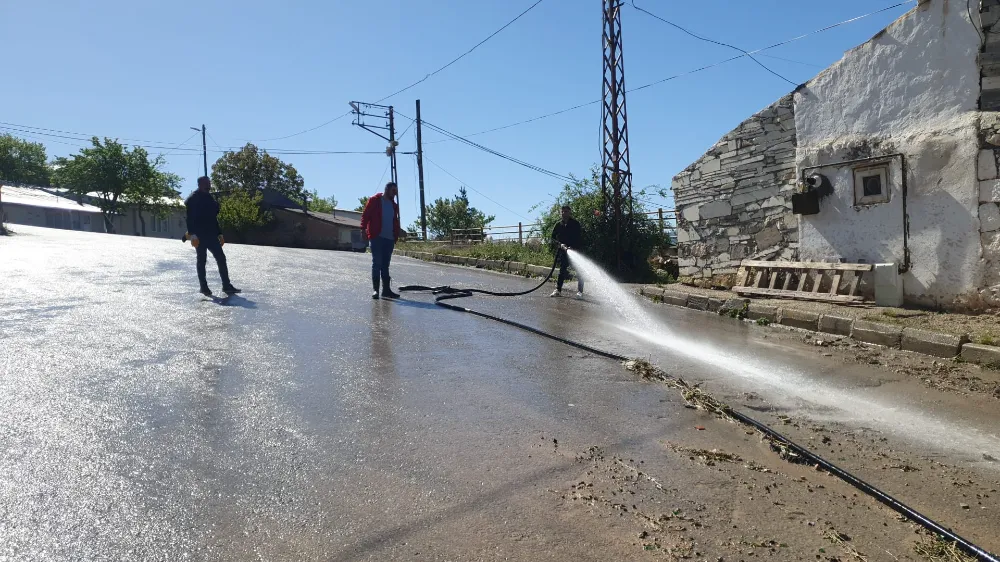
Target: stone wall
(734, 203)
(989, 58)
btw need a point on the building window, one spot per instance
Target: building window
(871, 185)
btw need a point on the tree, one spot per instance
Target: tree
(117, 175)
(363, 203)
(584, 198)
(251, 170)
(22, 161)
(156, 194)
(445, 215)
(313, 202)
(239, 212)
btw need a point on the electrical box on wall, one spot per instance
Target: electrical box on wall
(805, 203)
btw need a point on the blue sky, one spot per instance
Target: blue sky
(256, 70)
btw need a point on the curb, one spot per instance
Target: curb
(924, 342)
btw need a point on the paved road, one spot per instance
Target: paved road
(303, 421)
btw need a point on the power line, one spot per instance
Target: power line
(713, 41)
(464, 184)
(82, 138)
(179, 145)
(88, 137)
(216, 143)
(517, 161)
(803, 63)
(463, 55)
(425, 78)
(309, 130)
(694, 71)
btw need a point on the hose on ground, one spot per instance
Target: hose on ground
(446, 292)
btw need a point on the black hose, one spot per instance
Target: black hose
(446, 293)
(896, 505)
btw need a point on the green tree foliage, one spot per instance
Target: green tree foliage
(240, 211)
(363, 201)
(445, 215)
(317, 204)
(22, 161)
(155, 192)
(116, 175)
(584, 198)
(250, 170)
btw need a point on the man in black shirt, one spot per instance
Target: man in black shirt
(206, 236)
(569, 235)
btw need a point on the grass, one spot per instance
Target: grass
(938, 550)
(529, 254)
(987, 339)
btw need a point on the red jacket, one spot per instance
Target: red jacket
(371, 219)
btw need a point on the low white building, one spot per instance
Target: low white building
(899, 141)
(34, 207)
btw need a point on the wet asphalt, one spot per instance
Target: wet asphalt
(301, 420)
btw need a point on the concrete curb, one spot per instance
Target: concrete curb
(887, 335)
(762, 312)
(982, 354)
(933, 343)
(837, 325)
(801, 319)
(925, 342)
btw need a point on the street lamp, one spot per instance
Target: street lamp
(204, 147)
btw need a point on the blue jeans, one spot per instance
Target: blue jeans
(381, 255)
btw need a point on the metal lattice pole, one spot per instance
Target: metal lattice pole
(616, 174)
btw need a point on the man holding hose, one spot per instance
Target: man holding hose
(568, 234)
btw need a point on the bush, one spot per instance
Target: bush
(239, 212)
(584, 198)
(529, 253)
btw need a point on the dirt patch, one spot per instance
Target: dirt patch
(939, 374)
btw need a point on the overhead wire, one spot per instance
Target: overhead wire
(169, 152)
(517, 161)
(713, 41)
(425, 78)
(689, 72)
(465, 184)
(463, 55)
(85, 139)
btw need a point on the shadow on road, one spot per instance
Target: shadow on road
(234, 300)
(414, 304)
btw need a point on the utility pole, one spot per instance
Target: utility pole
(420, 174)
(616, 174)
(361, 110)
(204, 146)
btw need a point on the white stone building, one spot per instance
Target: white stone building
(902, 136)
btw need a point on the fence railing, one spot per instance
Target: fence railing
(521, 232)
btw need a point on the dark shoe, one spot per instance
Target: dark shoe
(206, 291)
(388, 294)
(375, 295)
(230, 290)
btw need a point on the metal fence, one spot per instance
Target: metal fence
(522, 233)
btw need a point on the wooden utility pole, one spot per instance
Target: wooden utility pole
(420, 173)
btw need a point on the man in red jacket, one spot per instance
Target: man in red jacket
(380, 225)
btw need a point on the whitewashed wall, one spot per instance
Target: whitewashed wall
(913, 89)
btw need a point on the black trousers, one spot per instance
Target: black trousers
(564, 272)
(206, 245)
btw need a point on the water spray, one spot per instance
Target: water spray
(446, 292)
